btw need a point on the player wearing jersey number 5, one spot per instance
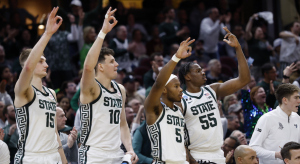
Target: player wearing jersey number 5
(35, 105)
(204, 133)
(102, 108)
(165, 122)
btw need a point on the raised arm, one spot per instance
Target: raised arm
(231, 86)
(248, 35)
(152, 102)
(22, 87)
(88, 82)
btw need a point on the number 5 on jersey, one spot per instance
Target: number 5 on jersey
(211, 122)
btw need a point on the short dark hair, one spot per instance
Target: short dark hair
(166, 10)
(5, 110)
(104, 52)
(237, 143)
(184, 70)
(64, 85)
(155, 54)
(266, 67)
(285, 90)
(285, 151)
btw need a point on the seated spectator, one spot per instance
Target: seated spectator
(6, 74)
(259, 48)
(252, 82)
(215, 75)
(135, 105)
(210, 29)
(277, 127)
(244, 154)
(3, 121)
(64, 103)
(129, 116)
(69, 142)
(3, 62)
(254, 106)
(89, 36)
(132, 25)
(157, 62)
(233, 124)
(240, 136)
(137, 47)
(11, 136)
(198, 54)
(239, 33)
(237, 110)
(155, 43)
(131, 90)
(142, 145)
(229, 145)
(69, 89)
(140, 117)
(290, 153)
(173, 49)
(122, 55)
(229, 100)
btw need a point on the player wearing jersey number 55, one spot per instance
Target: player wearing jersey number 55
(35, 105)
(204, 133)
(165, 122)
(102, 108)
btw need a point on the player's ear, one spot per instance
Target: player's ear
(187, 77)
(286, 161)
(165, 90)
(100, 67)
(239, 159)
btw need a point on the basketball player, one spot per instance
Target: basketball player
(35, 105)
(204, 133)
(165, 122)
(102, 108)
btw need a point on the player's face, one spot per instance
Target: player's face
(293, 102)
(250, 157)
(41, 67)
(295, 157)
(197, 74)
(174, 91)
(110, 66)
(61, 119)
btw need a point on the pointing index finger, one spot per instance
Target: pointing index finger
(226, 29)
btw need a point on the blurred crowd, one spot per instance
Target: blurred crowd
(143, 42)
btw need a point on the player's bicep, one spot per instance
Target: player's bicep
(153, 99)
(87, 80)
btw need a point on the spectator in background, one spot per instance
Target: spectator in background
(252, 82)
(237, 110)
(275, 58)
(254, 106)
(3, 62)
(89, 36)
(69, 143)
(169, 30)
(131, 26)
(157, 62)
(155, 43)
(277, 127)
(129, 116)
(3, 94)
(290, 153)
(229, 100)
(64, 103)
(210, 29)
(10, 43)
(69, 89)
(173, 49)
(131, 90)
(121, 75)
(233, 124)
(137, 47)
(11, 133)
(124, 58)
(135, 105)
(240, 136)
(6, 76)
(230, 144)
(290, 49)
(198, 54)
(239, 33)
(259, 48)
(3, 121)
(196, 16)
(26, 39)
(215, 75)
(58, 55)
(244, 154)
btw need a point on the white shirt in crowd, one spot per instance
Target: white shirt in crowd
(289, 51)
(209, 32)
(272, 131)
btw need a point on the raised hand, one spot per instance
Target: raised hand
(232, 40)
(184, 49)
(290, 69)
(108, 17)
(71, 18)
(52, 26)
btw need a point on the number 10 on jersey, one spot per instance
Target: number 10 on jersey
(114, 116)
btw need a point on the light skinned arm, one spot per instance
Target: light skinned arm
(152, 103)
(125, 132)
(231, 86)
(22, 87)
(209, 29)
(287, 34)
(88, 83)
(288, 71)
(248, 34)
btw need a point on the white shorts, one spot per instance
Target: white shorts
(209, 156)
(88, 155)
(38, 158)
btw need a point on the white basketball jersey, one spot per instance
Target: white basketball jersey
(36, 125)
(167, 136)
(203, 130)
(100, 120)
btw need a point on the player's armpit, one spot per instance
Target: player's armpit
(189, 157)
